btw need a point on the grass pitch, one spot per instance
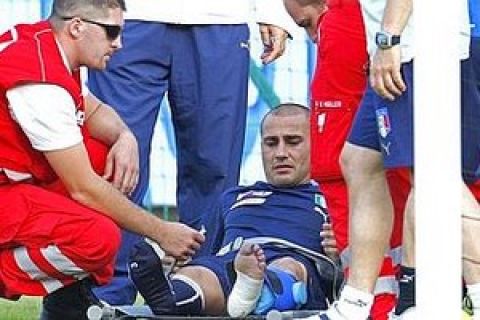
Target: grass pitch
(27, 308)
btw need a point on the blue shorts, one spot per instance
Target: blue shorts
(222, 266)
(387, 126)
(471, 113)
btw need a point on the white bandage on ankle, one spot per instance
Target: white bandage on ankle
(244, 295)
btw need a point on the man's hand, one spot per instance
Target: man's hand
(179, 240)
(385, 76)
(122, 164)
(329, 243)
(274, 40)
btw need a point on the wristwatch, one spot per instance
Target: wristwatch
(385, 40)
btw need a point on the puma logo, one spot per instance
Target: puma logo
(386, 148)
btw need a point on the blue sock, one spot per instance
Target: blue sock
(188, 296)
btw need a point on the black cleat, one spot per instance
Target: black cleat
(146, 272)
(70, 302)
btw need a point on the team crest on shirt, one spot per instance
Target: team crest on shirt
(252, 197)
(320, 200)
(321, 205)
(383, 122)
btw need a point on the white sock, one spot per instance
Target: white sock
(353, 304)
(474, 294)
(244, 296)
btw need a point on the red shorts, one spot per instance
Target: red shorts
(337, 87)
(48, 240)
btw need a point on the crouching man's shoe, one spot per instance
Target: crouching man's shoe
(71, 302)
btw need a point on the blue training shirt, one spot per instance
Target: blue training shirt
(295, 214)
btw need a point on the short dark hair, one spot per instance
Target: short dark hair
(85, 8)
(285, 109)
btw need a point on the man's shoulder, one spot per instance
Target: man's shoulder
(259, 186)
(26, 35)
(22, 46)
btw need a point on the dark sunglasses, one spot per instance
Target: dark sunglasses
(112, 30)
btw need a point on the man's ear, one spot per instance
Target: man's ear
(76, 27)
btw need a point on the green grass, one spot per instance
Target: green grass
(27, 308)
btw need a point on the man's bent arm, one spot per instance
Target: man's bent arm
(73, 167)
(122, 162)
(102, 121)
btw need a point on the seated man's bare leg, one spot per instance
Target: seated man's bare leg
(370, 226)
(208, 286)
(471, 248)
(292, 266)
(193, 290)
(371, 214)
(250, 267)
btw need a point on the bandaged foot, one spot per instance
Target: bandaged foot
(250, 267)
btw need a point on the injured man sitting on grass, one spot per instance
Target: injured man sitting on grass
(273, 249)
